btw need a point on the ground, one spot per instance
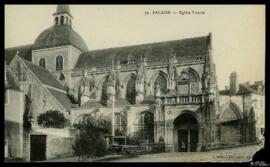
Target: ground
(239, 154)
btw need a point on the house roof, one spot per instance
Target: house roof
(11, 81)
(186, 50)
(25, 52)
(62, 98)
(59, 35)
(44, 75)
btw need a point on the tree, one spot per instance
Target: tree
(89, 140)
(52, 119)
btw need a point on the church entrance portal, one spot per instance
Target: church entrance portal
(186, 130)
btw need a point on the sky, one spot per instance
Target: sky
(238, 31)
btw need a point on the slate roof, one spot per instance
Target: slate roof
(59, 35)
(149, 100)
(121, 102)
(11, 81)
(62, 98)
(25, 52)
(92, 104)
(185, 49)
(44, 75)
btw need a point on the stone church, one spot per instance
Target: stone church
(172, 84)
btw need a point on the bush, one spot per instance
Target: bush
(52, 119)
(89, 140)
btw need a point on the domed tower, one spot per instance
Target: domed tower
(58, 48)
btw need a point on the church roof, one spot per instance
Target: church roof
(186, 50)
(92, 104)
(44, 75)
(59, 35)
(149, 100)
(62, 98)
(11, 81)
(119, 102)
(25, 52)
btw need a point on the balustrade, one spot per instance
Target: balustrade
(182, 99)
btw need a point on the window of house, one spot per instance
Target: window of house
(42, 62)
(59, 62)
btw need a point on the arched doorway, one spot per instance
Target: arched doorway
(186, 133)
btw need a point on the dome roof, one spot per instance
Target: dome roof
(59, 36)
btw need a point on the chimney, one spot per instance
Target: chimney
(234, 87)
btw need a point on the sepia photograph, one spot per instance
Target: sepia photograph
(134, 83)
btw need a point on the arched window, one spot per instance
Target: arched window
(59, 63)
(62, 20)
(162, 82)
(104, 91)
(146, 125)
(67, 20)
(131, 90)
(42, 62)
(120, 124)
(56, 20)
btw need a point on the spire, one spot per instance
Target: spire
(62, 16)
(62, 9)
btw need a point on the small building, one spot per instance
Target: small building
(242, 112)
(14, 110)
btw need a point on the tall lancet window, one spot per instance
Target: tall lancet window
(104, 91)
(59, 63)
(162, 82)
(42, 62)
(131, 90)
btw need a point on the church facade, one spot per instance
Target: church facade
(171, 84)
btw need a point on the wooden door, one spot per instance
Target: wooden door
(37, 147)
(183, 140)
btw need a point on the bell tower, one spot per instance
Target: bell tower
(62, 16)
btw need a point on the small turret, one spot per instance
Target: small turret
(63, 16)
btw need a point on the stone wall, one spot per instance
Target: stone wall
(14, 109)
(58, 147)
(151, 73)
(50, 55)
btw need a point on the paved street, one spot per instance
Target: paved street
(241, 154)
